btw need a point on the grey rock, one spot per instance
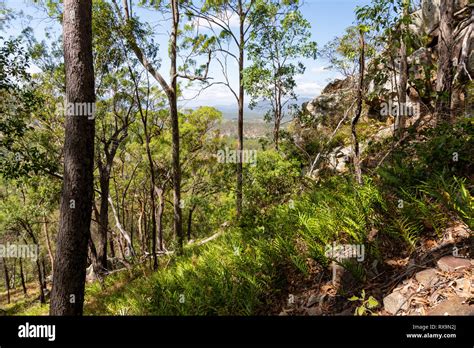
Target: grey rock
(430, 14)
(314, 311)
(416, 25)
(452, 306)
(394, 302)
(453, 264)
(427, 278)
(313, 299)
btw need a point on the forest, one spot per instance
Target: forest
(127, 188)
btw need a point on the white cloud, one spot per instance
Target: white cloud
(215, 95)
(319, 70)
(308, 89)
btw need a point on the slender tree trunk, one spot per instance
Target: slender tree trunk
(93, 255)
(444, 79)
(355, 141)
(48, 243)
(104, 215)
(13, 280)
(172, 97)
(240, 141)
(7, 279)
(190, 221)
(161, 209)
(403, 82)
(111, 246)
(44, 271)
(22, 278)
(278, 117)
(140, 230)
(153, 212)
(40, 282)
(67, 296)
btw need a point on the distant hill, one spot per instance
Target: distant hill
(229, 112)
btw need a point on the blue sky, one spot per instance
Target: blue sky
(328, 19)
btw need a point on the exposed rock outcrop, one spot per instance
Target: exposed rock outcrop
(327, 107)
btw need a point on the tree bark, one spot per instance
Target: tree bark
(67, 296)
(40, 282)
(172, 97)
(403, 82)
(7, 279)
(161, 209)
(190, 221)
(355, 141)
(22, 278)
(48, 243)
(444, 79)
(240, 141)
(103, 216)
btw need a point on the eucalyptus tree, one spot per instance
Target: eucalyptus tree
(114, 111)
(360, 94)
(67, 295)
(130, 28)
(230, 22)
(279, 39)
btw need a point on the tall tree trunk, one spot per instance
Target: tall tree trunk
(103, 216)
(40, 282)
(67, 296)
(240, 141)
(278, 117)
(13, 280)
(94, 258)
(172, 97)
(403, 82)
(161, 209)
(48, 243)
(444, 79)
(7, 279)
(355, 141)
(140, 230)
(190, 221)
(44, 271)
(171, 91)
(22, 278)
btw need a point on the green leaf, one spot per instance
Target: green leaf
(372, 302)
(360, 310)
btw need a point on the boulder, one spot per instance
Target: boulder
(394, 302)
(416, 25)
(430, 15)
(339, 159)
(452, 306)
(427, 278)
(453, 264)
